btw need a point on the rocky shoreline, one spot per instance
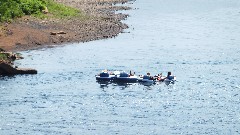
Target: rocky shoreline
(31, 33)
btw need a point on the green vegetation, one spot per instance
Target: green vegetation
(10, 9)
(3, 57)
(61, 11)
(9, 56)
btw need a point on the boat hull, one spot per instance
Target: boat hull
(126, 79)
(110, 78)
(103, 78)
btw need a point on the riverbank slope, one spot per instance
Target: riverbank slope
(99, 22)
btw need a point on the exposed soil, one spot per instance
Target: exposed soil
(30, 33)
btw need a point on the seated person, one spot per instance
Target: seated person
(170, 76)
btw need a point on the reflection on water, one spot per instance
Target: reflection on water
(145, 83)
(197, 40)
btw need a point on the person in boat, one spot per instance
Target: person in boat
(150, 77)
(169, 76)
(158, 77)
(131, 74)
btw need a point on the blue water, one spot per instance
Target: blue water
(198, 40)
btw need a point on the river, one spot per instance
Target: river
(197, 40)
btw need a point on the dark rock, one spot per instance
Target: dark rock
(61, 32)
(53, 33)
(7, 69)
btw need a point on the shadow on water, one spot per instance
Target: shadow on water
(170, 82)
(106, 84)
(5, 77)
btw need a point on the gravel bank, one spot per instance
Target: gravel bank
(31, 33)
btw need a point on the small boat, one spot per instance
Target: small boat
(123, 77)
(146, 78)
(107, 76)
(126, 78)
(170, 80)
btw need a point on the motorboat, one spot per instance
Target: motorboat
(126, 78)
(107, 76)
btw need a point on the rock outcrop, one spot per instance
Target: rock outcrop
(8, 69)
(7, 64)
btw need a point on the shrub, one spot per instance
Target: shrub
(31, 6)
(3, 56)
(10, 9)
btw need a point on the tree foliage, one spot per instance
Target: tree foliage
(10, 9)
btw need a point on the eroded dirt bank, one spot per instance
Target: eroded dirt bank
(30, 33)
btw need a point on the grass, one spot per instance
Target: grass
(57, 10)
(11, 9)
